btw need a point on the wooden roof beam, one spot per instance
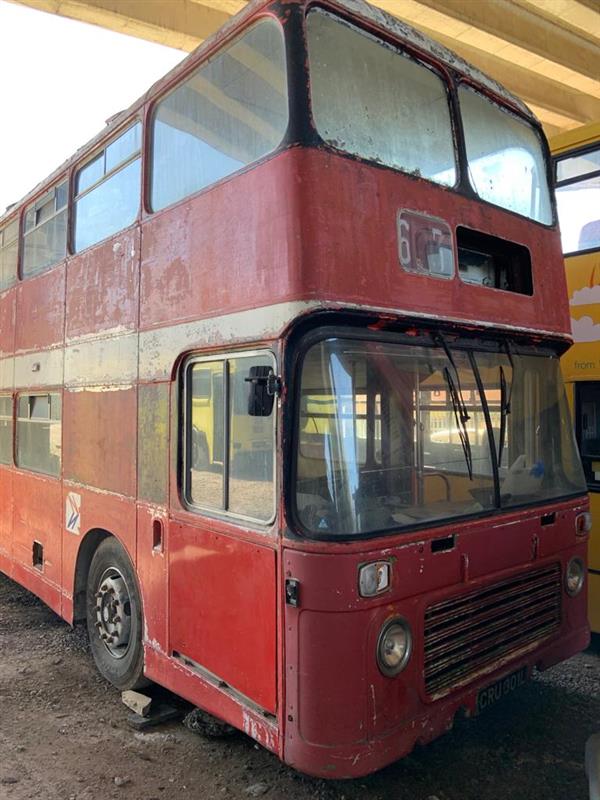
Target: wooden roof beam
(530, 86)
(581, 16)
(182, 24)
(517, 25)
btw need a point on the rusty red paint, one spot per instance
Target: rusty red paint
(40, 309)
(102, 286)
(97, 450)
(7, 322)
(223, 637)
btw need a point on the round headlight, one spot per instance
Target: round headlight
(394, 647)
(574, 577)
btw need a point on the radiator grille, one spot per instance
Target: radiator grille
(466, 634)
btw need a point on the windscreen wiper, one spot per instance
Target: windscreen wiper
(461, 417)
(505, 403)
(504, 412)
(460, 409)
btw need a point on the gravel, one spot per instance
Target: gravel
(64, 734)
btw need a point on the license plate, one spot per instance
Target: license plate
(491, 694)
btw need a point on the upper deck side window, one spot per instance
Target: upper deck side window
(372, 101)
(9, 241)
(107, 190)
(578, 200)
(45, 231)
(230, 112)
(506, 163)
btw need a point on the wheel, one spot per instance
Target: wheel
(114, 617)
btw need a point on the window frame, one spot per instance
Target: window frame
(181, 79)
(384, 39)
(578, 151)
(35, 207)
(57, 391)
(12, 221)
(74, 196)
(11, 397)
(350, 330)
(185, 436)
(480, 90)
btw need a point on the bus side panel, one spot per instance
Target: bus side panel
(6, 518)
(100, 438)
(97, 511)
(102, 286)
(38, 521)
(581, 363)
(594, 600)
(8, 302)
(41, 310)
(594, 565)
(152, 573)
(223, 609)
(181, 262)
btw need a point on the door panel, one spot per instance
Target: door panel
(223, 608)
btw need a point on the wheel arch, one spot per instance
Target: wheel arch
(89, 544)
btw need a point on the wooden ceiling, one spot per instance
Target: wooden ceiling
(545, 51)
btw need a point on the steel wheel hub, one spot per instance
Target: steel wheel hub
(113, 612)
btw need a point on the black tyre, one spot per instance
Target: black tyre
(114, 617)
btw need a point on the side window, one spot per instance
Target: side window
(588, 430)
(45, 231)
(232, 111)
(578, 201)
(229, 464)
(107, 190)
(39, 432)
(9, 242)
(6, 429)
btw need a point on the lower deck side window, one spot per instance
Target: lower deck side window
(39, 432)
(229, 451)
(6, 429)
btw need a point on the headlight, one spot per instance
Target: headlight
(373, 578)
(394, 647)
(583, 523)
(574, 577)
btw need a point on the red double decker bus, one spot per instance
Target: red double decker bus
(281, 408)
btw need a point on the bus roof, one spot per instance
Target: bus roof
(356, 8)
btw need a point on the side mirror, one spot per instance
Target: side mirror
(264, 385)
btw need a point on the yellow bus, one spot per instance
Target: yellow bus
(576, 156)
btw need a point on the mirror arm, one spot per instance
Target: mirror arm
(271, 382)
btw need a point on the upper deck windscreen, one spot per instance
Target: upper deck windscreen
(371, 100)
(505, 159)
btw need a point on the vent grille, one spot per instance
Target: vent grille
(465, 635)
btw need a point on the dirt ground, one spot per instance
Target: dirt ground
(64, 736)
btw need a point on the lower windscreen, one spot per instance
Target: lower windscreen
(395, 435)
